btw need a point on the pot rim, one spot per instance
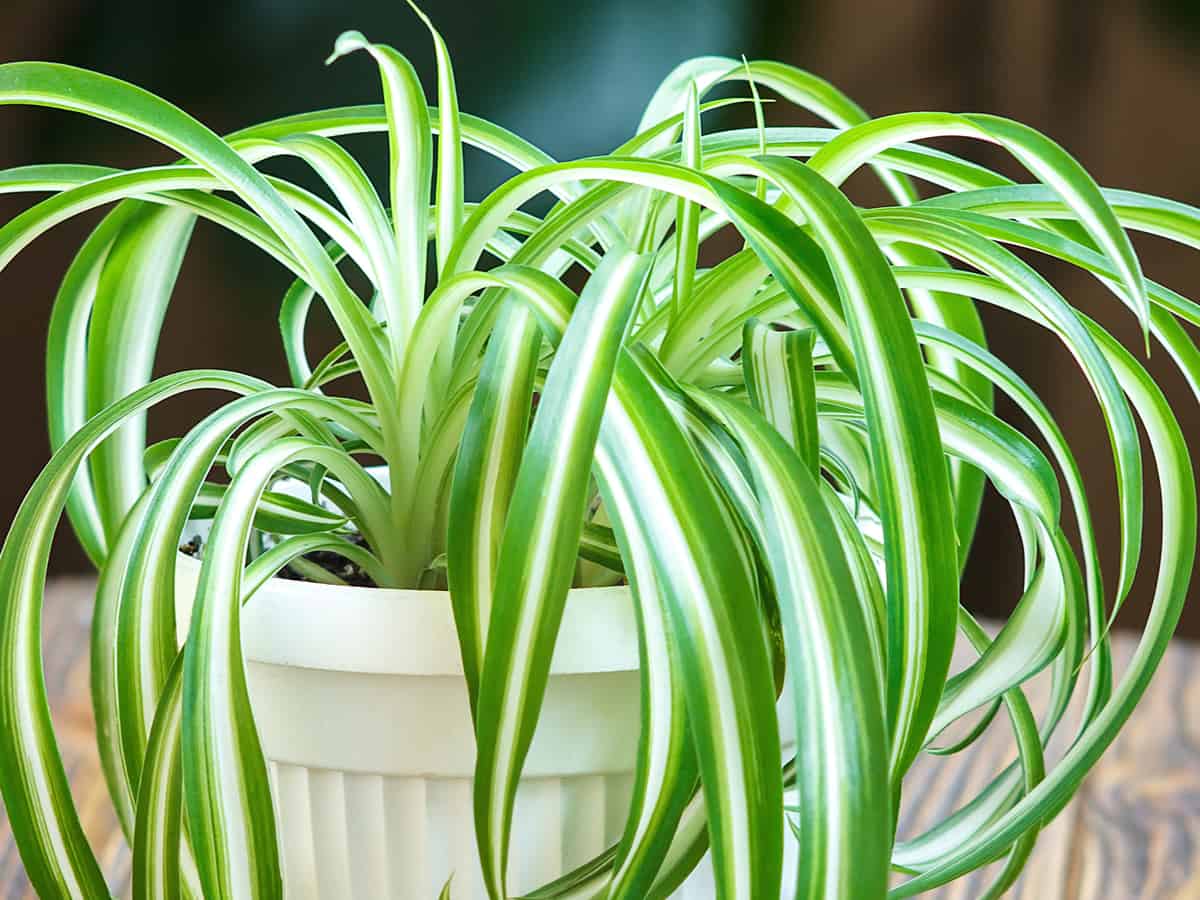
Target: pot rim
(398, 631)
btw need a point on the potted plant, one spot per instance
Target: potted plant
(679, 554)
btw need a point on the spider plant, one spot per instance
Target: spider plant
(782, 451)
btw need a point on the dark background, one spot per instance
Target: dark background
(1116, 82)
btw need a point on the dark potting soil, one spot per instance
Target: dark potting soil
(330, 561)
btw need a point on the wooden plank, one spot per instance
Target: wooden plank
(1130, 832)
(1139, 819)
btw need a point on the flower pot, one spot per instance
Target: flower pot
(361, 707)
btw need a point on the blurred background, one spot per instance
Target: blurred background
(1115, 81)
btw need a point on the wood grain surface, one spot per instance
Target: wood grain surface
(1130, 834)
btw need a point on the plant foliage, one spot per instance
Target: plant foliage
(782, 448)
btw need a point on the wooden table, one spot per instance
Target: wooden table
(1130, 834)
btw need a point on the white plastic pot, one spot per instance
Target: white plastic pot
(361, 706)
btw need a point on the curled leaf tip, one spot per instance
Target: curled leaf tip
(347, 42)
(421, 14)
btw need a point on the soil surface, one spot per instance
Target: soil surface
(331, 562)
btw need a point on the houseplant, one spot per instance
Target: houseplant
(782, 454)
